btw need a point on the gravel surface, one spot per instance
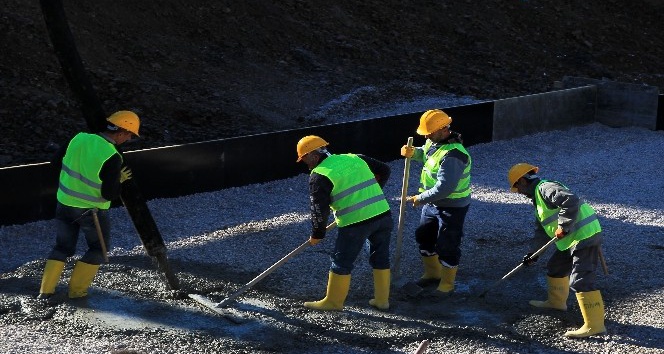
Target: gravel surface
(220, 241)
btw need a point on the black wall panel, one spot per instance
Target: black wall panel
(212, 165)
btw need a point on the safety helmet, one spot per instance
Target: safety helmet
(433, 120)
(126, 120)
(519, 170)
(308, 144)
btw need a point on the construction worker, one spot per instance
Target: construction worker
(444, 197)
(91, 173)
(561, 214)
(350, 185)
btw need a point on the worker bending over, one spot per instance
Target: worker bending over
(562, 215)
(350, 185)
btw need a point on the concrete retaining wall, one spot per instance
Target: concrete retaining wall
(620, 104)
(519, 116)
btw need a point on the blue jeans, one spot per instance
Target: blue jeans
(351, 238)
(440, 232)
(70, 221)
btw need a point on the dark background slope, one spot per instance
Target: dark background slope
(198, 70)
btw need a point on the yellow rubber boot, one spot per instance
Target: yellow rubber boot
(592, 309)
(558, 289)
(381, 298)
(337, 290)
(446, 284)
(432, 271)
(52, 271)
(81, 278)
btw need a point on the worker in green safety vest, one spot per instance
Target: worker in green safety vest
(560, 214)
(351, 186)
(444, 194)
(91, 174)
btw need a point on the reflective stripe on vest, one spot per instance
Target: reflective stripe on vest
(585, 225)
(80, 185)
(428, 178)
(356, 196)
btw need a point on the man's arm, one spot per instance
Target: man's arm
(449, 174)
(56, 159)
(320, 189)
(110, 178)
(557, 196)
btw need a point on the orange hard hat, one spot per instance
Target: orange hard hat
(433, 120)
(126, 120)
(308, 144)
(517, 171)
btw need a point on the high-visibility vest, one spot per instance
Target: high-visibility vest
(428, 178)
(585, 225)
(356, 195)
(80, 185)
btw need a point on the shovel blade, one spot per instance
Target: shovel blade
(225, 302)
(209, 304)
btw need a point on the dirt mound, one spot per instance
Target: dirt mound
(200, 70)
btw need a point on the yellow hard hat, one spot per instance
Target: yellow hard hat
(308, 144)
(126, 120)
(433, 120)
(519, 170)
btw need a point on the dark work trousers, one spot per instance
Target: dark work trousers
(351, 239)
(578, 262)
(69, 222)
(440, 232)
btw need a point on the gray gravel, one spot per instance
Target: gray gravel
(220, 241)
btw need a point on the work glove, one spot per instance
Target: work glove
(529, 260)
(125, 174)
(314, 241)
(560, 233)
(413, 199)
(407, 151)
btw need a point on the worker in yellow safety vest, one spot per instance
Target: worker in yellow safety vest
(560, 214)
(444, 195)
(351, 186)
(91, 174)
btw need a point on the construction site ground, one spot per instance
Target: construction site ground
(219, 241)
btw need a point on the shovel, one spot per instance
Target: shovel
(402, 207)
(539, 251)
(218, 307)
(603, 261)
(410, 288)
(100, 235)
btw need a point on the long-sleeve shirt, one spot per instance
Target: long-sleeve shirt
(109, 173)
(555, 195)
(320, 190)
(448, 176)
